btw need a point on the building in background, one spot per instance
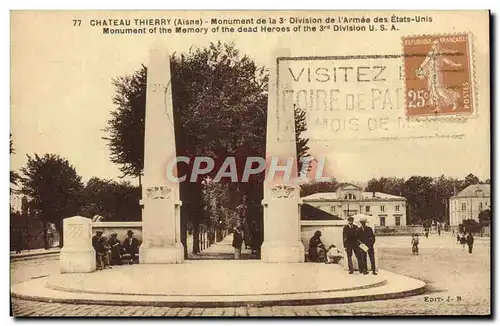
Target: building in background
(349, 199)
(467, 204)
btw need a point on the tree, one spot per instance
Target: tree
(301, 142)
(419, 193)
(392, 186)
(14, 176)
(318, 186)
(484, 217)
(126, 126)
(115, 201)
(53, 186)
(220, 102)
(470, 179)
(470, 226)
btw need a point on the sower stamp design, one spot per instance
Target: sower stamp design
(438, 75)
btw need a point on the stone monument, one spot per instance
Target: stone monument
(160, 196)
(77, 254)
(282, 243)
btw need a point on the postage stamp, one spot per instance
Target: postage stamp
(438, 75)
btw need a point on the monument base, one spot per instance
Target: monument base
(162, 255)
(77, 260)
(282, 252)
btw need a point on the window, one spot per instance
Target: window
(464, 206)
(480, 206)
(397, 208)
(349, 196)
(398, 220)
(382, 208)
(368, 209)
(382, 220)
(332, 208)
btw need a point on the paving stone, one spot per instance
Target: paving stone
(172, 312)
(240, 311)
(184, 312)
(229, 312)
(324, 313)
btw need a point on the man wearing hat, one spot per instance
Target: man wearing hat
(95, 241)
(350, 237)
(367, 237)
(131, 246)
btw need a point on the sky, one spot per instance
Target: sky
(61, 92)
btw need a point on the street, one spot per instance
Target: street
(458, 284)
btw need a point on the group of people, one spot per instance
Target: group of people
(358, 240)
(318, 253)
(466, 240)
(111, 251)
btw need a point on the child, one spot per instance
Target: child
(103, 253)
(333, 256)
(463, 241)
(414, 243)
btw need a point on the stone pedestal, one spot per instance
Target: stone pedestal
(77, 255)
(161, 205)
(281, 202)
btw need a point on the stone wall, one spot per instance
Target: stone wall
(398, 230)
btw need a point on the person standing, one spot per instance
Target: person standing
(116, 249)
(237, 242)
(463, 241)
(350, 240)
(367, 237)
(255, 239)
(95, 241)
(414, 243)
(470, 241)
(18, 240)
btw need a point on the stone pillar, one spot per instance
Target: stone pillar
(281, 202)
(77, 255)
(160, 196)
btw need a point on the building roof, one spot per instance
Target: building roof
(479, 190)
(308, 212)
(364, 196)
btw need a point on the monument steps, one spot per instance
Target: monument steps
(224, 291)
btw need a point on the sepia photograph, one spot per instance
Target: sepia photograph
(250, 164)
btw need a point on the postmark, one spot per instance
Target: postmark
(438, 75)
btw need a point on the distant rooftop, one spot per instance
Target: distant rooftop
(479, 190)
(364, 196)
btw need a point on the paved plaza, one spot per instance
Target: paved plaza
(457, 284)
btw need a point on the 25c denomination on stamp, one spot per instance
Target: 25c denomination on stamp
(438, 75)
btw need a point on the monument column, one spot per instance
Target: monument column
(281, 202)
(160, 196)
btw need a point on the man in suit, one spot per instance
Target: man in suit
(95, 241)
(350, 237)
(131, 246)
(367, 237)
